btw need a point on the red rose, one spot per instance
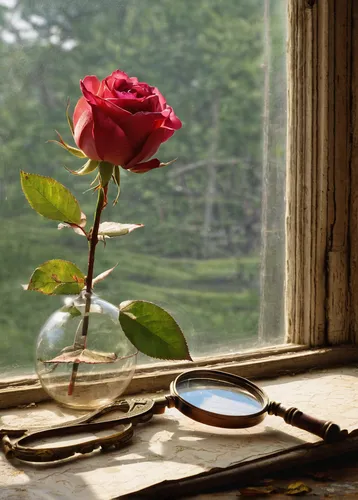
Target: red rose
(122, 121)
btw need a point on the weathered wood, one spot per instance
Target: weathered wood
(338, 175)
(317, 249)
(153, 379)
(354, 182)
(247, 355)
(264, 367)
(305, 223)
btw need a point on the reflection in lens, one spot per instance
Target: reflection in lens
(218, 397)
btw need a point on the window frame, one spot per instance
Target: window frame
(269, 362)
(319, 218)
(321, 288)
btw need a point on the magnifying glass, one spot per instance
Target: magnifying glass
(224, 400)
(211, 397)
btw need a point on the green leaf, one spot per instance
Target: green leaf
(72, 310)
(152, 330)
(87, 168)
(112, 229)
(57, 277)
(74, 151)
(117, 181)
(50, 198)
(69, 119)
(105, 172)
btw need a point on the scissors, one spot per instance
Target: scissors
(210, 397)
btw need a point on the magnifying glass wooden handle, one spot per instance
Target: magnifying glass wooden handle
(326, 430)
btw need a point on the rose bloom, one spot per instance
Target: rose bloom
(122, 121)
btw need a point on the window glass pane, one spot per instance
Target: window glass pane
(212, 250)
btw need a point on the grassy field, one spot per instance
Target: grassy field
(215, 301)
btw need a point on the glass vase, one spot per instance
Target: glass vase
(84, 371)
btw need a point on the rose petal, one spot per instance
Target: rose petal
(111, 142)
(132, 103)
(151, 146)
(133, 80)
(84, 135)
(162, 101)
(116, 79)
(104, 91)
(143, 89)
(91, 83)
(172, 121)
(109, 106)
(139, 127)
(81, 106)
(155, 106)
(142, 168)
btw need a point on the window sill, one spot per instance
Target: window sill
(172, 447)
(263, 363)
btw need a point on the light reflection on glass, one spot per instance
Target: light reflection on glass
(218, 397)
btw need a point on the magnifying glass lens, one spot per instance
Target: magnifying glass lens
(217, 396)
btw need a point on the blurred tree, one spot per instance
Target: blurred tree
(206, 57)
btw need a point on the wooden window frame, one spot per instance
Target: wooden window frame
(321, 289)
(321, 202)
(269, 362)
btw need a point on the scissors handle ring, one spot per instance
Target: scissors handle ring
(15, 442)
(16, 449)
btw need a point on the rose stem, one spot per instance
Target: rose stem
(101, 203)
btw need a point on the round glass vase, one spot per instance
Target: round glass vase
(84, 371)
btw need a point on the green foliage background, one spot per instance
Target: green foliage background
(207, 58)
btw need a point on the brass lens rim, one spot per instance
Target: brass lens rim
(216, 419)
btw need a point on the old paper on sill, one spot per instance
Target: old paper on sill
(173, 447)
